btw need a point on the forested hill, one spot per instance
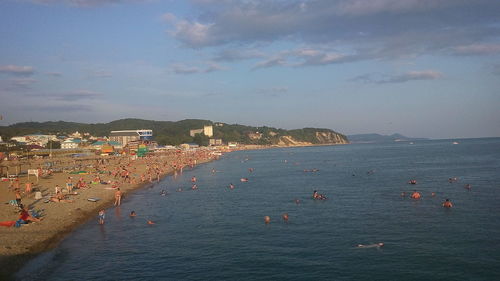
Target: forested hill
(168, 132)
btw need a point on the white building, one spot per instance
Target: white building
(18, 139)
(70, 143)
(208, 131)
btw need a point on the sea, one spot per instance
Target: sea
(219, 233)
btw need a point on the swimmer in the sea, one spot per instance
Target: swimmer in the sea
(285, 217)
(376, 245)
(416, 195)
(163, 192)
(317, 196)
(267, 219)
(231, 186)
(150, 222)
(133, 214)
(447, 203)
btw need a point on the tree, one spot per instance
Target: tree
(201, 140)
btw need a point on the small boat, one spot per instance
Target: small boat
(455, 142)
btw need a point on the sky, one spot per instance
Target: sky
(422, 68)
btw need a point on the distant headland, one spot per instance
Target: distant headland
(185, 131)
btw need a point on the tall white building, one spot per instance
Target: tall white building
(208, 131)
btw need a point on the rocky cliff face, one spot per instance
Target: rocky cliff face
(331, 137)
(320, 138)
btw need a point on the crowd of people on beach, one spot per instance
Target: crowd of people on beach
(109, 173)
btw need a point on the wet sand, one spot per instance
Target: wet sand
(17, 244)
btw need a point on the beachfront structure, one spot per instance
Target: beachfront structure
(215, 142)
(70, 143)
(207, 131)
(98, 144)
(126, 136)
(36, 139)
(188, 146)
(19, 139)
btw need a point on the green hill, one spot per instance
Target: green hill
(174, 133)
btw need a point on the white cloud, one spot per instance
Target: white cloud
(365, 7)
(100, 74)
(364, 29)
(54, 74)
(399, 78)
(193, 34)
(477, 49)
(84, 3)
(306, 57)
(238, 54)
(70, 96)
(180, 68)
(17, 70)
(275, 61)
(17, 84)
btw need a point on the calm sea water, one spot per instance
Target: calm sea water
(215, 233)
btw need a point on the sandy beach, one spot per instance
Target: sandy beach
(17, 244)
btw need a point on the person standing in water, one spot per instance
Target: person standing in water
(101, 216)
(118, 197)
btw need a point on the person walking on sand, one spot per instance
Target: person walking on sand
(28, 188)
(118, 197)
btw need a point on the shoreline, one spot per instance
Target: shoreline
(49, 239)
(37, 238)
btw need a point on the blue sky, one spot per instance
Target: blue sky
(418, 67)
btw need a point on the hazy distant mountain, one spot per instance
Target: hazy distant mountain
(370, 138)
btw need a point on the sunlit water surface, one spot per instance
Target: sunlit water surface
(215, 233)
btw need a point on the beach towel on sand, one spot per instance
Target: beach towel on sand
(7, 223)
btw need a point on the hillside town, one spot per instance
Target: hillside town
(133, 142)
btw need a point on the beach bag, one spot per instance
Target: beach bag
(38, 195)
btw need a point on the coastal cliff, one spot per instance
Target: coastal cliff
(323, 137)
(175, 133)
